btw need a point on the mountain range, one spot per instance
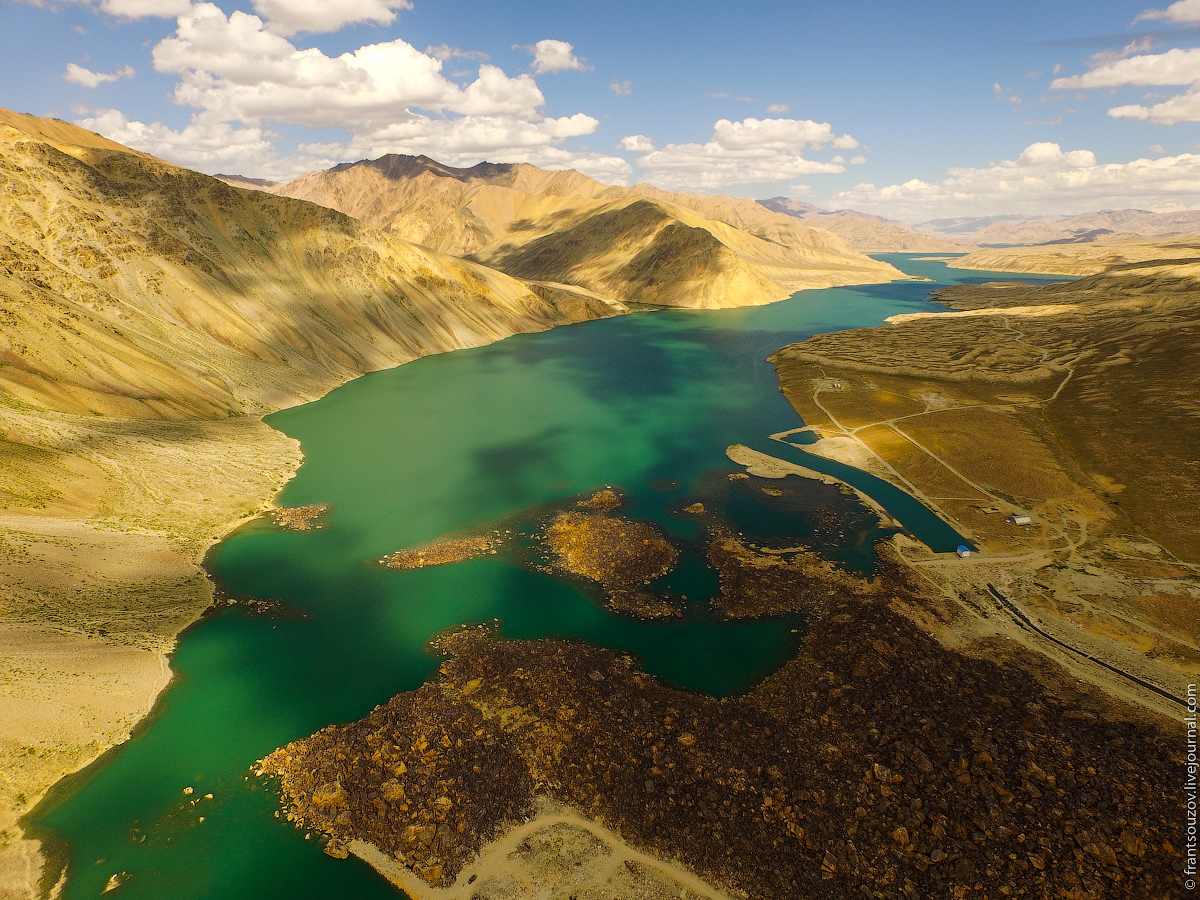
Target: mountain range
(639, 244)
(863, 231)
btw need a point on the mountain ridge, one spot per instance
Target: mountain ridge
(488, 211)
(149, 316)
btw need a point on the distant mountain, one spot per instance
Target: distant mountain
(863, 231)
(1113, 253)
(243, 181)
(966, 226)
(629, 244)
(1088, 227)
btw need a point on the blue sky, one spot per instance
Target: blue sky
(908, 110)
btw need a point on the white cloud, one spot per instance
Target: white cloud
(1182, 108)
(622, 88)
(237, 70)
(1175, 67)
(445, 53)
(722, 95)
(1158, 148)
(79, 75)
(858, 160)
(142, 9)
(466, 141)
(555, 56)
(1003, 93)
(1043, 180)
(779, 107)
(747, 152)
(240, 72)
(286, 17)
(636, 143)
(291, 16)
(1184, 11)
(205, 144)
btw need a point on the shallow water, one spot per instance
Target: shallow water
(646, 402)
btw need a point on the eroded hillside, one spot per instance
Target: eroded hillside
(529, 222)
(137, 288)
(862, 231)
(1104, 254)
(1074, 404)
(148, 316)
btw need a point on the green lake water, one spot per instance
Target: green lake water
(646, 402)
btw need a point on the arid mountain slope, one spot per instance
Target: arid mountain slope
(1092, 258)
(495, 213)
(148, 316)
(136, 288)
(1090, 227)
(862, 231)
(1077, 404)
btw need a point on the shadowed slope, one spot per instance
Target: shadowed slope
(495, 212)
(148, 316)
(139, 288)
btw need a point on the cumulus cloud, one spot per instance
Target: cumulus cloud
(1176, 67)
(236, 69)
(77, 74)
(445, 53)
(747, 152)
(205, 144)
(1043, 180)
(292, 16)
(622, 88)
(555, 56)
(239, 73)
(779, 107)
(636, 143)
(286, 17)
(465, 141)
(1183, 12)
(143, 9)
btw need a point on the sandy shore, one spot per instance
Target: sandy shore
(96, 584)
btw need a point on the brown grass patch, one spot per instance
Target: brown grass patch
(929, 475)
(441, 553)
(997, 449)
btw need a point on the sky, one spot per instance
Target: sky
(914, 111)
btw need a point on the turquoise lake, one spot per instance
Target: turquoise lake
(647, 402)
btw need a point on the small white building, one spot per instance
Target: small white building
(1019, 519)
(964, 551)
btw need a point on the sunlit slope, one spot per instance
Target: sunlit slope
(531, 221)
(1104, 254)
(640, 251)
(871, 234)
(1077, 404)
(136, 288)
